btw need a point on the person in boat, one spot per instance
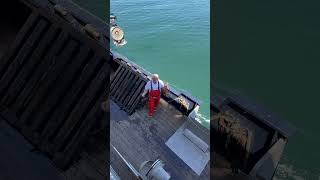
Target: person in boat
(154, 88)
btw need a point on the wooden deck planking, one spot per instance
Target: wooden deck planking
(129, 88)
(20, 161)
(78, 112)
(140, 139)
(34, 82)
(21, 57)
(71, 98)
(21, 37)
(25, 73)
(120, 167)
(48, 80)
(65, 79)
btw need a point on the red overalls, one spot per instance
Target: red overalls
(154, 98)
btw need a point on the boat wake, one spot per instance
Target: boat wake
(202, 119)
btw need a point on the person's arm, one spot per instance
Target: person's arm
(145, 90)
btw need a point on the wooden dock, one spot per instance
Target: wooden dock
(21, 161)
(139, 138)
(53, 78)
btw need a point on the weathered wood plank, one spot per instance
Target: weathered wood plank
(78, 88)
(116, 78)
(132, 95)
(81, 108)
(34, 82)
(40, 69)
(19, 40)
(119, 81)
(119, 92)
(24, 74)
(80, 136)
(47, 82)
(116, 74)
(65, 81)
(134, 86)
(51, 80)
(21, 57)
(128, 89)
(135, 98)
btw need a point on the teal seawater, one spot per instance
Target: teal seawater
(170, 38)
(269, 51)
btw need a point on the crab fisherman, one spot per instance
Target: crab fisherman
(154, 88)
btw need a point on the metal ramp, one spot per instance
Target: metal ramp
(126, 87)
(52, 82)
(191, 144)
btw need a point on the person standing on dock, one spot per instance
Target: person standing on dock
(154, 87)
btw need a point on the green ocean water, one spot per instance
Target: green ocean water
(169, 38)
(267, 50)
(270, 51)
(172, 39)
